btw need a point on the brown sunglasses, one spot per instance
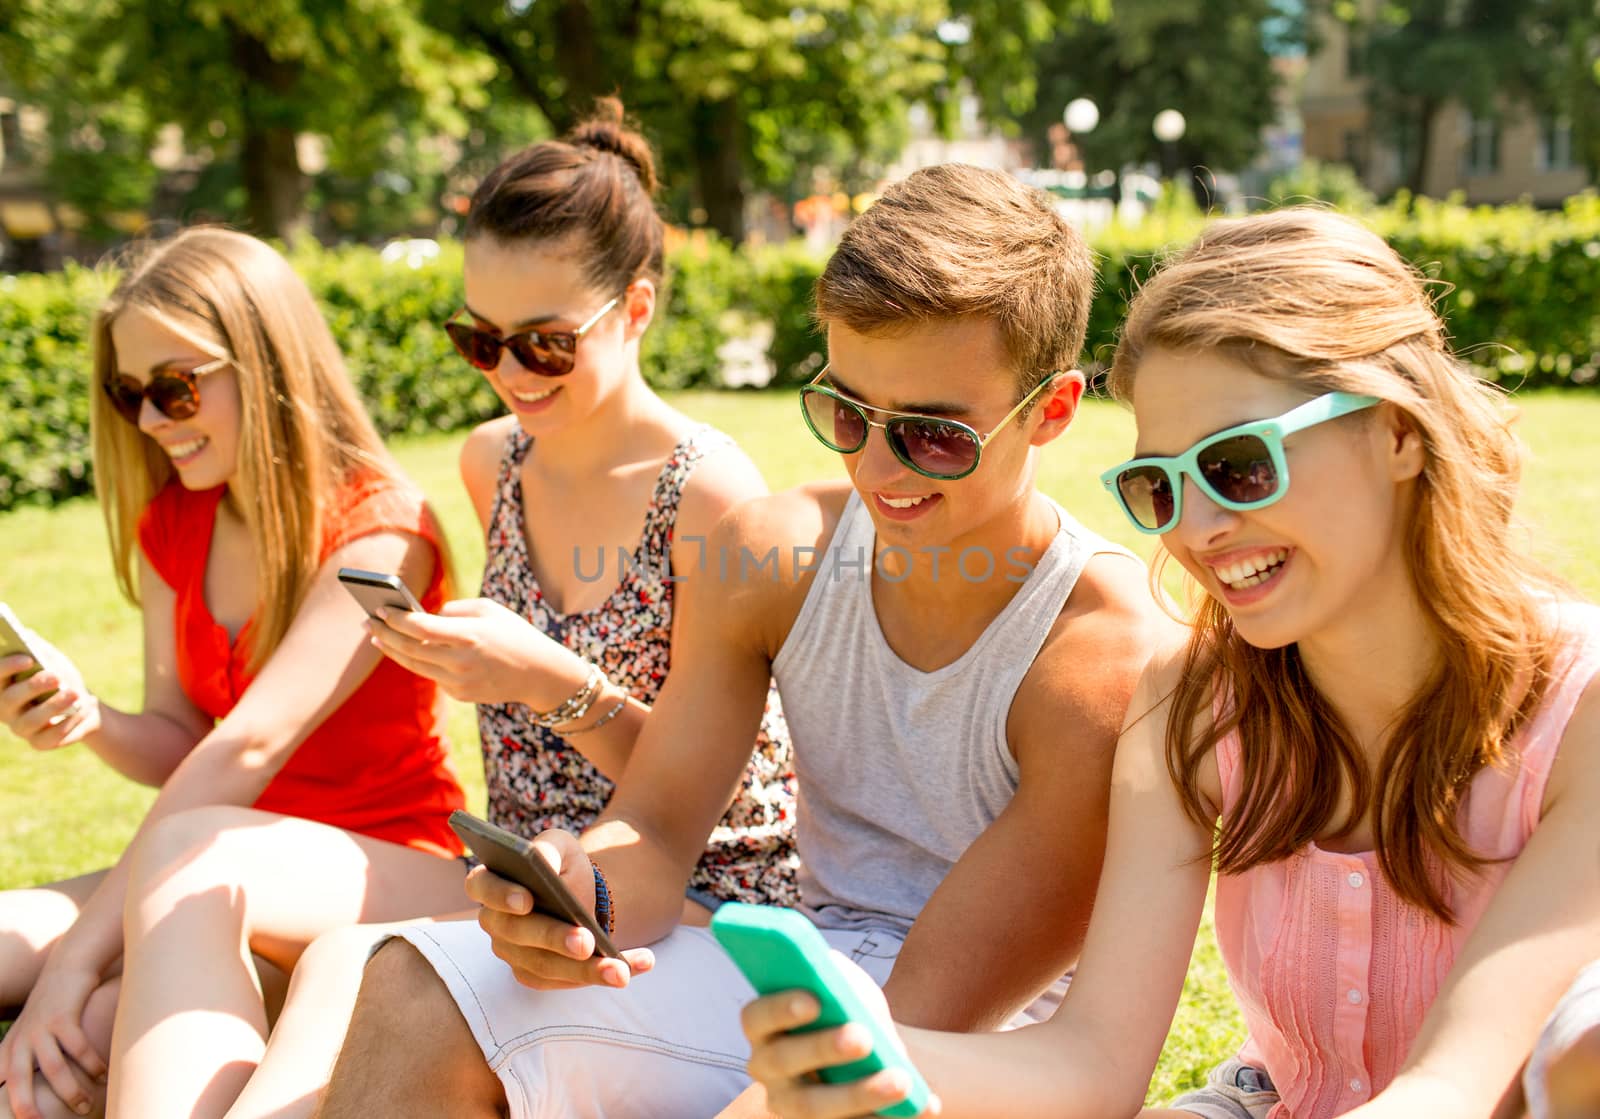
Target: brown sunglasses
(548, 353)
(174, 392)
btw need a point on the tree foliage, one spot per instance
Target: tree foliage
(1210, 62)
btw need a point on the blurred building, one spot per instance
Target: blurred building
(973, 140)
(1517, 154)
(29, 234)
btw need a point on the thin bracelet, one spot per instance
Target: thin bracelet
(575, 706)
(604, 912)
(600, 722)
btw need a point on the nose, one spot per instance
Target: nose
(150, 417)
(876, 464)
(1203, 522)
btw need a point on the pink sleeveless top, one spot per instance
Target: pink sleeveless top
(1332, 971)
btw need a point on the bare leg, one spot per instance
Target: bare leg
(207, 887)
(289, 1081)
(31, 921)
(410, 1054)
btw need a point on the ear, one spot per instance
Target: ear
(638, 308)
(1402, 443)
(1057, 408)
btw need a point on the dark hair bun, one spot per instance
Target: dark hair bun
(604, 131)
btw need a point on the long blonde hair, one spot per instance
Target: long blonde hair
(304, 435)
(1310, 297)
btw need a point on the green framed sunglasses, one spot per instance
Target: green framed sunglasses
(935, 447)
(1239, 468)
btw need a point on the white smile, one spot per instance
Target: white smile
(534, 397)
(902, 502)
(185, 449)
(1251, 572)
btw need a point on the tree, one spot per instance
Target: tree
(244, 79)
(1213, 66)
(752, 95)
(1423, 54)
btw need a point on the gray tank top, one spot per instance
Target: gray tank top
(899, 770)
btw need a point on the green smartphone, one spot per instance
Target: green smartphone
(779, 950)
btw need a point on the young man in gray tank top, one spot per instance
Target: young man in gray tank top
(955, 655)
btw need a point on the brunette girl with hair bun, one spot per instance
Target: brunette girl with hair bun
(592, 492)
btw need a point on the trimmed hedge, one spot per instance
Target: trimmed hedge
(1521, 302)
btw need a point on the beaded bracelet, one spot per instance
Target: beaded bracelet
(600, 722)
(604, 913)
(575, 706)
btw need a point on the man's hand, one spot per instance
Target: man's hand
(545, 952)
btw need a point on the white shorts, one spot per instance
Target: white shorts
(666, 1046)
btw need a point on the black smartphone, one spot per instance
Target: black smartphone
(513, 858)
(376, 590)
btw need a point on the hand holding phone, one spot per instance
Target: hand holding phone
(514, 858)
(42, 714)
(779, 950)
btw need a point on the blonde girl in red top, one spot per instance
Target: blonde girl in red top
(1384, 729)
(237, 472)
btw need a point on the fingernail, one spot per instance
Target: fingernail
(82, 1108)
(517, 900)
(851, 1039)
(798, 1005)
(894, 1085)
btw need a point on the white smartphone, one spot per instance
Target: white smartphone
(376, 590)
(13, 640)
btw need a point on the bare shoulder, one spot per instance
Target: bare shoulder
(721, 480)
(1108, 636)
(480, 454)
(763, 553)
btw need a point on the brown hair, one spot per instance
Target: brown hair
(597, 183)
(954, 241)
(1307, 296)
(304, 435)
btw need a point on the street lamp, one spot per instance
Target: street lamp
(1169, 127)
(1081, 115)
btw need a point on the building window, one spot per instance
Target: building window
(12, 152)
(1554, 151)
(1482, 156)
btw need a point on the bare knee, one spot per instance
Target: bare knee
(408, 1042)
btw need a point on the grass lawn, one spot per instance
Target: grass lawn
(63, 814)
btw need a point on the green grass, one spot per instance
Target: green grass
(63, 814)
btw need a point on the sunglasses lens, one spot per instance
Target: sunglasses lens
(1147, 494)
(839, 425)
(480, 348)
(1240, 469)
(938, 449)
(174, 397)
(548, 355)
(127, 397)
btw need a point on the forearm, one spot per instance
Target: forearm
(145, 747)
(608, 745)
(645, 881)
(1022, 1074)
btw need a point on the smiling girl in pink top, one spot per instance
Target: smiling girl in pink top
(1384, 731)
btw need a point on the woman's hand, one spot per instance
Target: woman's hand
(49, 1036)
(68, 716)
(480, 652)
(785, 1063)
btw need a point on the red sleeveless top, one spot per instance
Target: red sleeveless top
(379, 764)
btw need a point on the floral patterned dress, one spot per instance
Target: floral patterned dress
(536, 780)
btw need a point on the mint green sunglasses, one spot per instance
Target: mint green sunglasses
(1239, 468)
